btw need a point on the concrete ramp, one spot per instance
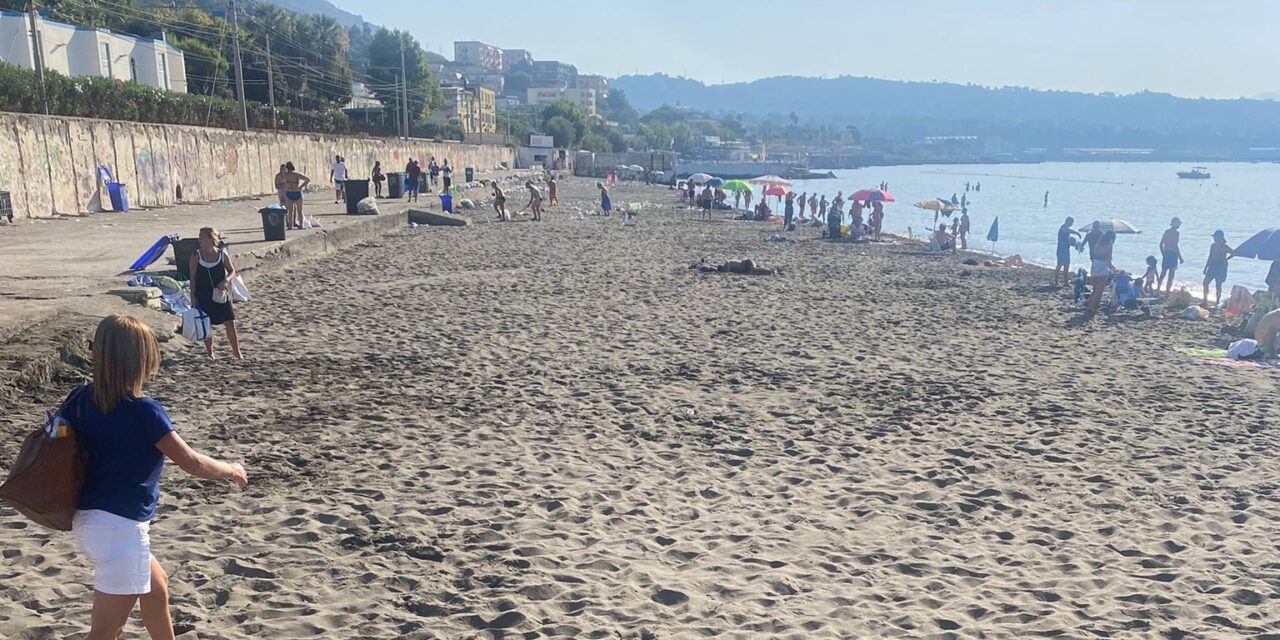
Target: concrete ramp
(418, 216)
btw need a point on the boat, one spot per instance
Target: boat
(1196, 173)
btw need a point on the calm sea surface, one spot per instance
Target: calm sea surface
(1241, 199)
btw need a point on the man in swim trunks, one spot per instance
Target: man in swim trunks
(500, 203)
(535, 200)
(1100, 245)
(1215, 269)
(1065, 243)
(293, 183)
(1170, 255)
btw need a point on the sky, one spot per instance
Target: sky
(1191, 48)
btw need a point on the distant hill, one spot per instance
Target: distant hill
(321, 7)
(1017, 117)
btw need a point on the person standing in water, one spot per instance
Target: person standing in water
(1170, 254)
(1215, 269)
(1066, 241)
(1046, 200)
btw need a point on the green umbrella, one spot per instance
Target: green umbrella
(735, 185)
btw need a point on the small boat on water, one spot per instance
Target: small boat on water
(1196, 173)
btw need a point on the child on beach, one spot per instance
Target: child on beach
(125, 437)
(605, 204)
(1149, 278)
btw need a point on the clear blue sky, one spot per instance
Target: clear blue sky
(1212, 48)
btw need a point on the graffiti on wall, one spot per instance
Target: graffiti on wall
(226, 162)
(153, 170)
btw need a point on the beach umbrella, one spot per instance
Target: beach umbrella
(937, 206)
(637, 168)
(699, 178)
(1264, 245)
(1114, 224)
(994, 233)
(770, 181)
(871, 195)
(776, 190)
(735, 185)
(714, 182)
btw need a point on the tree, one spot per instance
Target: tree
(384, 74)
(594, 142)
(682, 137)
(617, 141)
(517, 80)
(616, 108)
(564, 131)
(521, 126)
(656, 135)
(571, 112)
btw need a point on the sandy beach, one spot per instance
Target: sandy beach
(559, 429)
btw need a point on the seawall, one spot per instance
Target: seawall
(49, 164)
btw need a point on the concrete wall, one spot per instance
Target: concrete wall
(48, 164)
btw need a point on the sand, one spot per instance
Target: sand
(560, 430)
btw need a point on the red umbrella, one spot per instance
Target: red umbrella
(776, 190)
(871, 195)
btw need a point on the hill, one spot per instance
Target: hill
(324, 8)
(1016, 117)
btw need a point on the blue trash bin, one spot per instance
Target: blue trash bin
(119, 194)
(446, 203)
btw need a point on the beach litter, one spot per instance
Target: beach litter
(366, 206)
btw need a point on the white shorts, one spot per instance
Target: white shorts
(119, 548)
(1099, 268)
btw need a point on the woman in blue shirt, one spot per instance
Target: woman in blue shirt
(125, 437)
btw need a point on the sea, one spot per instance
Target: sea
(1240, 199)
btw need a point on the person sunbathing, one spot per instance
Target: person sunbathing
(1267, 333)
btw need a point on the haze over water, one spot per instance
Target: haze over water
(1240, 199)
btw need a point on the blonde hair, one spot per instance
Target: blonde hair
(125, 356)
(212, 235)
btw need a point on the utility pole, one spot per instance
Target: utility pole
(235, 39)
(399, 105)
(271, 85)
(37, 57)
(404, 75)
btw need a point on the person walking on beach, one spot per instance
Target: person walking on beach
(447, 172)
(1170, 254)
(1066, 241)
(789, 211)
(500, 203)
(211, 273)
(338, 176)
(963, 232)
(293, 183)
(605, 205)
(125, 437)
(1215, 269)
(435, 172)
(551, 191)
(412, 174)
(535, 200)
(378, 179)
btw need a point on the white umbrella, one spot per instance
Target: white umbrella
(1114, 224)
(699, 178)
(771, 180)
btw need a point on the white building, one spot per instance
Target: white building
(86, 51)
(542, 96)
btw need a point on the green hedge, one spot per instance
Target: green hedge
(93, 97)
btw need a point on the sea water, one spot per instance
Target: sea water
(1240, 199)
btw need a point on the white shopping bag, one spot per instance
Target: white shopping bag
(195, 325)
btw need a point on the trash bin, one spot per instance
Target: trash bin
(446, 203)
(6, 205)
(119, 195)
(470, 172)
(356, 190)
(395, 185)
(182, 250)
(272, 223)
(833, 225)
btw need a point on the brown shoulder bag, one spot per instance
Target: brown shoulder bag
(44, 482)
